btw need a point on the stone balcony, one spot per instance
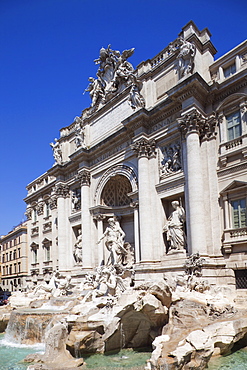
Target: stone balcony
(234, 237)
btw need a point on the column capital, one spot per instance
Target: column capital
(145, 147)
(194, 121)
(61, 190)
(85, 177)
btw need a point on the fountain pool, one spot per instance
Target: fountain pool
(12, 353)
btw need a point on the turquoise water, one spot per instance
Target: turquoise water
(235, 361)
(11, 355)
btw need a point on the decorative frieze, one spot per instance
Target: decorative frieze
(84, 177)
(145, 148)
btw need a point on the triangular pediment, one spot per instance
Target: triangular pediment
(233, 185)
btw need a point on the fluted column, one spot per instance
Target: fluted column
(87, 246)
(144, 150)
(62, 194)
(192, 126)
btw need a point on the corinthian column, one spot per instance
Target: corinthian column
(192, 126)
(144, 150)
(62, 195)
(84, 177)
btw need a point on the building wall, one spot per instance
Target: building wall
(14, 259)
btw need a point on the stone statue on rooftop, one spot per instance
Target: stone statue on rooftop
(57, 152)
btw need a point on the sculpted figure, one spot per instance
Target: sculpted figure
(79, 135)
(136, 100)
(44, 288)
(96, 91)
(186, 57)
(77, 252)
(57, 152)
(114, 242)
(174, 228)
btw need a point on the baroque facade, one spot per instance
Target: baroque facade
(162, 150)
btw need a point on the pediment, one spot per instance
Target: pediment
(233, 185)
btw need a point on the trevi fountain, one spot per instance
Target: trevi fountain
(185, 321)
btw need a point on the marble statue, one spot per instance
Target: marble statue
(63, 285)
(57, 152)
(77, 251)
(44, 289)
(136, 100)
(79, 133)
(96, 91)
(114, 74)
(174, 228)
(185, 57)
(114, 236)
(76, 201)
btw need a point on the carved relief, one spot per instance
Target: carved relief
(114, 74)
(171, 161)
(144, 147)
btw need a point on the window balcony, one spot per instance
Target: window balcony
(234, 237)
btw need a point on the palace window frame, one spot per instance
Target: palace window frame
(234, 125)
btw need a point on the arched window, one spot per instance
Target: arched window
(115, 192)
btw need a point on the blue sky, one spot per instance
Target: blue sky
(47, 48)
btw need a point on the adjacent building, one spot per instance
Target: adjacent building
(163, 150)
(13, 255)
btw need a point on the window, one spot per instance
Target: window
(19, 252)
(48, 253)
(35, 255)
(239, 218)
(19, 267)
(233, 125)
(241, 279)
(229, 71)
(47, 209)
(34, 215)
(14, 255)
(3, 258)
